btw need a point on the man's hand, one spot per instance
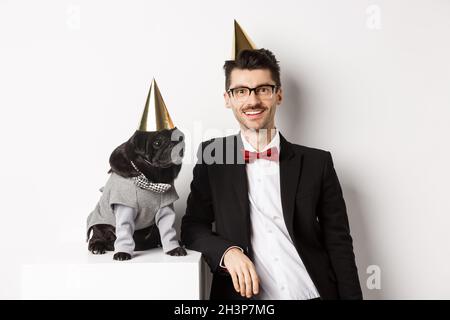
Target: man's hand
(242, 271)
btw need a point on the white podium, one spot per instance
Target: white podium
(75, 273)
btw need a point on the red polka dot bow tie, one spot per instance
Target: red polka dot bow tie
(269, 154)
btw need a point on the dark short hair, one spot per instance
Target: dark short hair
(251, 60)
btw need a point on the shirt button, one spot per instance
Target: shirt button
(276, 259)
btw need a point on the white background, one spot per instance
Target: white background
(366, 80)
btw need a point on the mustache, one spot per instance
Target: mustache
(255, 107)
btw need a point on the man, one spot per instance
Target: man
(281, 227)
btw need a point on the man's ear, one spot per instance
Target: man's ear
(227, 100)
(279, 96)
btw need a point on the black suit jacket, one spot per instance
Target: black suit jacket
(313, 208)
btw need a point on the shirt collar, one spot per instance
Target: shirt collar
(275, 142)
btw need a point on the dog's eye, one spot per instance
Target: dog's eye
(157, 143)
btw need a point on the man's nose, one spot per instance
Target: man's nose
(253, 98)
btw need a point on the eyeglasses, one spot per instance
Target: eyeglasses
(243, 93)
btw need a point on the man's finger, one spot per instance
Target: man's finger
(241, 278)
(248, 283)
(235, 280)
(255, 280)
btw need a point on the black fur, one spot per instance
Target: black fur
(102, 240)
(103, 237)
(121, 256)
(158, 156)
(154, 162)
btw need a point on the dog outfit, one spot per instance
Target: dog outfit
(129, 205)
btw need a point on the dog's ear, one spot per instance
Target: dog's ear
(139, 144)
(120, 161)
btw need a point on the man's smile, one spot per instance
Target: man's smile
(253, 113)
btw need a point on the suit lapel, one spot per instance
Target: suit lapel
(290, 167)
(237, 173)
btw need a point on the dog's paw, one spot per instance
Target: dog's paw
(121, 256)
(177, 252)
(97, 248)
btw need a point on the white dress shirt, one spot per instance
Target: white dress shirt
(280, 269)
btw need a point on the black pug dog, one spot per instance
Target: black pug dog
(147, 218)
